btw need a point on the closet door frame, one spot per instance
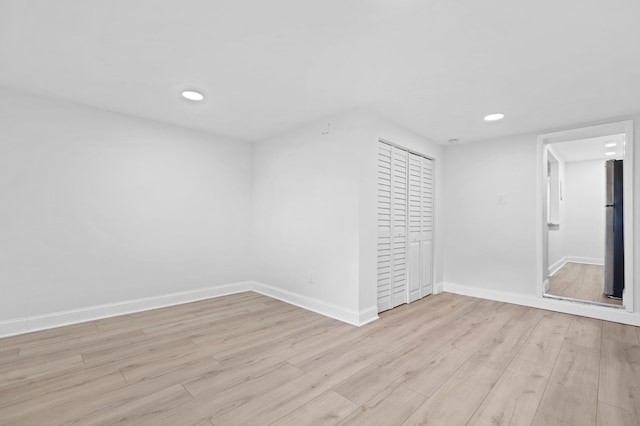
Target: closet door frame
(433, 204)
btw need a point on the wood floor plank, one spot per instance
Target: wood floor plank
(128, 404)
(9, 355)
(585, 332)
(572, 392)
(93, 342)
(325, 351)
(608, 415)
(413, 365)
(620, 332)
(229, 334)
(543, 346)
(218, 379)
(13, 373)
(327, 409)
(53, 335)
(204, 321)
(141, 320)
(410, 328)
(145, 348)
(619, 384)
(470, 384)
(41, 397)
(243, 392)
(280, 402)
(391, 407)
(215, 404)
(442, 362)
(75, 402)
(181, 361)
(55, 383)
(413, 327)
(317, 331)
(515, 397)
(502, 346)
(294, 346)
(542, 419)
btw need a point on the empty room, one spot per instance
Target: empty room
(381, 212)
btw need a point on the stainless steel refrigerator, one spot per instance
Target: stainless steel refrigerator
(614, 241)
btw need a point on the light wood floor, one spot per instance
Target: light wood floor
(250, 360)
(580, 281)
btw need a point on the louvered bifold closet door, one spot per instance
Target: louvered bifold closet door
(426, 225)
(415, 225)
(392, 226)
(420, 226)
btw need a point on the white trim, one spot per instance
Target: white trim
(585, 260)
(573, 259)
(357, 318)
(91, 313)
(556, 267)
(628, 176)
(541, 250)
(607, 313)
(547, 286)
(438, 288)
(625, 127)
(58, 319)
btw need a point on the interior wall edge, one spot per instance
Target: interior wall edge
(350, 316)
(568, 307)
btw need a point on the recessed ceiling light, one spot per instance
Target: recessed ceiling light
(610, 144)
(610, 153)
(192, 95)
(494, 117)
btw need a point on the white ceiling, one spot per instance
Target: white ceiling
(436, 67)
(590, 149)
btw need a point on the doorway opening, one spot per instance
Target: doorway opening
(585, 193)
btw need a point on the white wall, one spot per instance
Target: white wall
(585, 213)
(98, 207)
(489, 245)
(305, 211)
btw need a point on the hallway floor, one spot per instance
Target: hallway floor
(580, 281)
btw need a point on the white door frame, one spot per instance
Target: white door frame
(619, 127)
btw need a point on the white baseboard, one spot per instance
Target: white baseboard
(438, 288)
(91, 313)
(569, 307)
(58, 319)
(357, 318)
(574, 259)
(557, 265)
(587, 260)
